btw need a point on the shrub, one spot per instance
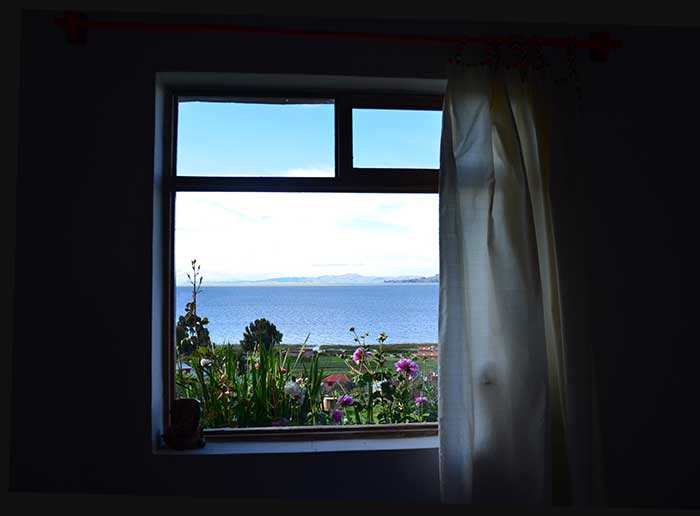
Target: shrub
(191, 331)
(265, 394)
(260, 332)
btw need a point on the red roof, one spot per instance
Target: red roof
(338, 377)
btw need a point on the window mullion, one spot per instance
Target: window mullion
(343, 139)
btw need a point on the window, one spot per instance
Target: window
(238, 135)
(396, 138)
(294, 221)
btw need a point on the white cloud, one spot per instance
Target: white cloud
(262, 235)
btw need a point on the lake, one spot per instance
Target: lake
(406, 312)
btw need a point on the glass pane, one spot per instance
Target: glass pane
(315, 265)
(396, 138)
(274, 138)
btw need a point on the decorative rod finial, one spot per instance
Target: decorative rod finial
(73, 24)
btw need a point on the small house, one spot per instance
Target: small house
(332, 381)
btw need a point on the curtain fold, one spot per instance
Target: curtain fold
(511, 416)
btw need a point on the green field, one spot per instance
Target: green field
(334, 364)
(331, 356)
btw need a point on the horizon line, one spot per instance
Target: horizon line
(406, 278)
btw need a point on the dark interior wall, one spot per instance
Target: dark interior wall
(83, 230)
(637, 147)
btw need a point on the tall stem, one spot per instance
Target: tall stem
(195, 290)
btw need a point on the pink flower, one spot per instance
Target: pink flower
(359, 355)
(407, 367)
(283, 370)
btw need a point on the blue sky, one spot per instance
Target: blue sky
(250, 236)
(216, 138)
(219, 138)
(394, 138)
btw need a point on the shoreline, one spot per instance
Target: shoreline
(345, 345)
(300, 284)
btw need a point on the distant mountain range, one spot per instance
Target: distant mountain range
(342, 278)
(423, 279)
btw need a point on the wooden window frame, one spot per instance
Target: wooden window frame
(347, 179)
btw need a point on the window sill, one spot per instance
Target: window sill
(314, 440)
(325, 445)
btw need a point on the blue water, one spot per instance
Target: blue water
(407, 313)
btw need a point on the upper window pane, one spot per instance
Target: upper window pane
(396, 138)
(256, 138)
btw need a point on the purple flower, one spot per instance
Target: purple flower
(344, 400)
(407, 367)
(359, 355)
(294, 390)
(337, 415)
(421, 400)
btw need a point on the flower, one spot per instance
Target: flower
(294, 390)
(421, 400)
(283, 370)
(359, 355)
(337, 415)
(205, 362)
(344, 400)
(407, 367)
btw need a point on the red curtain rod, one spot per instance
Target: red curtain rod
(76, 24)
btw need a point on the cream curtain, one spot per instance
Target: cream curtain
(507, 400)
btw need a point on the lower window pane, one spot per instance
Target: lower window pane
(296, 309)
